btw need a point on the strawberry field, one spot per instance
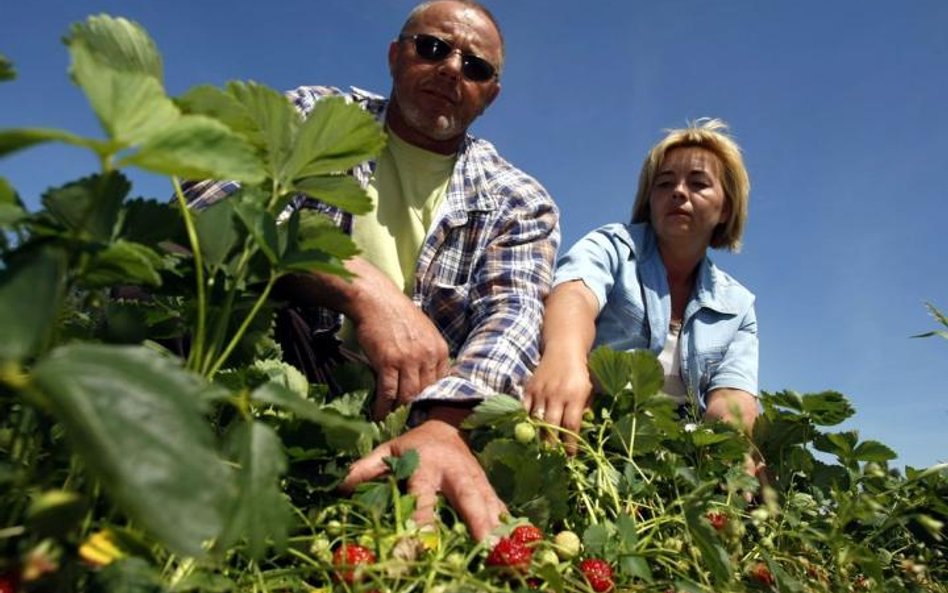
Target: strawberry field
(151, 439)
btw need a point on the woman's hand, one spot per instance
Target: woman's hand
(561, 388)
(558, 393)
(739, 409)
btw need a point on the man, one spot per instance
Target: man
(457, 256)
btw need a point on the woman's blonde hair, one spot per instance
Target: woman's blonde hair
(711, 135)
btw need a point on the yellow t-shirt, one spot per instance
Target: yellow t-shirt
(408, 187)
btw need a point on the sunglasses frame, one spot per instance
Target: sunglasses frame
(466, 58)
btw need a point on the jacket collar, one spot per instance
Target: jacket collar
(712, 287)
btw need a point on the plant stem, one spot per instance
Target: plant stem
(197, 346)
(243, 327)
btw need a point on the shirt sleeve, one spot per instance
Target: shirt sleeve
(738, 367)
(596, 260)
(506, 306)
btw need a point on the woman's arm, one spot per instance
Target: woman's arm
(740, 409)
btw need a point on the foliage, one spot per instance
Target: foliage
(151, 439)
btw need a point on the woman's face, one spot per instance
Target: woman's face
(687, 199)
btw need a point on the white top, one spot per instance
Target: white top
(670, 359)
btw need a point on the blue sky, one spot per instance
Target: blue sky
(839, 106)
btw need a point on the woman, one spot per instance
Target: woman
(650, 284)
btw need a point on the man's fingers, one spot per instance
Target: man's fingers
(426, 497)
(481, 511)
(368, 468)
(408, 385)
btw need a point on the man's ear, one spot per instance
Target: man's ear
(392, 55)
(492, 95)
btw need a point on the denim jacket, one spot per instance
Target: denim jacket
(622, 266)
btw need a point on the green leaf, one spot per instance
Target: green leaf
(11, 208)
(197, 147)
(261, 512)
(220, 105)
(782, 578)
(119, 43)
(89, 206)
(136, 419)
(827, 408)
(336, 136)
(873, 451)
(611, 369)
(55, 512)
(341, 432)
(404, 466)
(203, 581)
(15, 139)
(218, 234)
(715, 557)
(628, 536)
(151, 222)
(375, 496)
(394, 423)
(341, 191)
(940, 318)
(7, 71)
(497, 408)
(275, 124)
(129, 575)
(840, 444)
(131, 106)
(596, 537)
(636, 566)
(261, 225)
(647, 375)
(31, 290)
(316, 232)
(123, 262)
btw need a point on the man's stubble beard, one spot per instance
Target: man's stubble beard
(443, 127)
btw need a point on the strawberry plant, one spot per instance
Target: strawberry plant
(151, 438)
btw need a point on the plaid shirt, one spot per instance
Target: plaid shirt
(484, 268)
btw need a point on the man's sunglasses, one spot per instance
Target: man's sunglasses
(435, 49)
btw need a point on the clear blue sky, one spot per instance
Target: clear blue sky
(840, 107)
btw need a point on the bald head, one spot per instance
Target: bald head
(420, 9)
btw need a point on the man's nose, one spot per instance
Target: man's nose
(452, 63)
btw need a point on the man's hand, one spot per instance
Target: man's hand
(445, 465)
(403, 347)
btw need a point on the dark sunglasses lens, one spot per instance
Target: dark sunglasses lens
(477, 69)
(431, 48)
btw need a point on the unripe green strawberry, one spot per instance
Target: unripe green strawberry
(567, 545)
(547, 556)
(525, 432)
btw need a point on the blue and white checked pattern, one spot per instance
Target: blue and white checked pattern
(484, 269)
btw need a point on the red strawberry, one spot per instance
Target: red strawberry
(762, 575)
(598, 573)
(718, 520)
(512, 554)
(526, 534)
(10, 582)
(348, 557)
